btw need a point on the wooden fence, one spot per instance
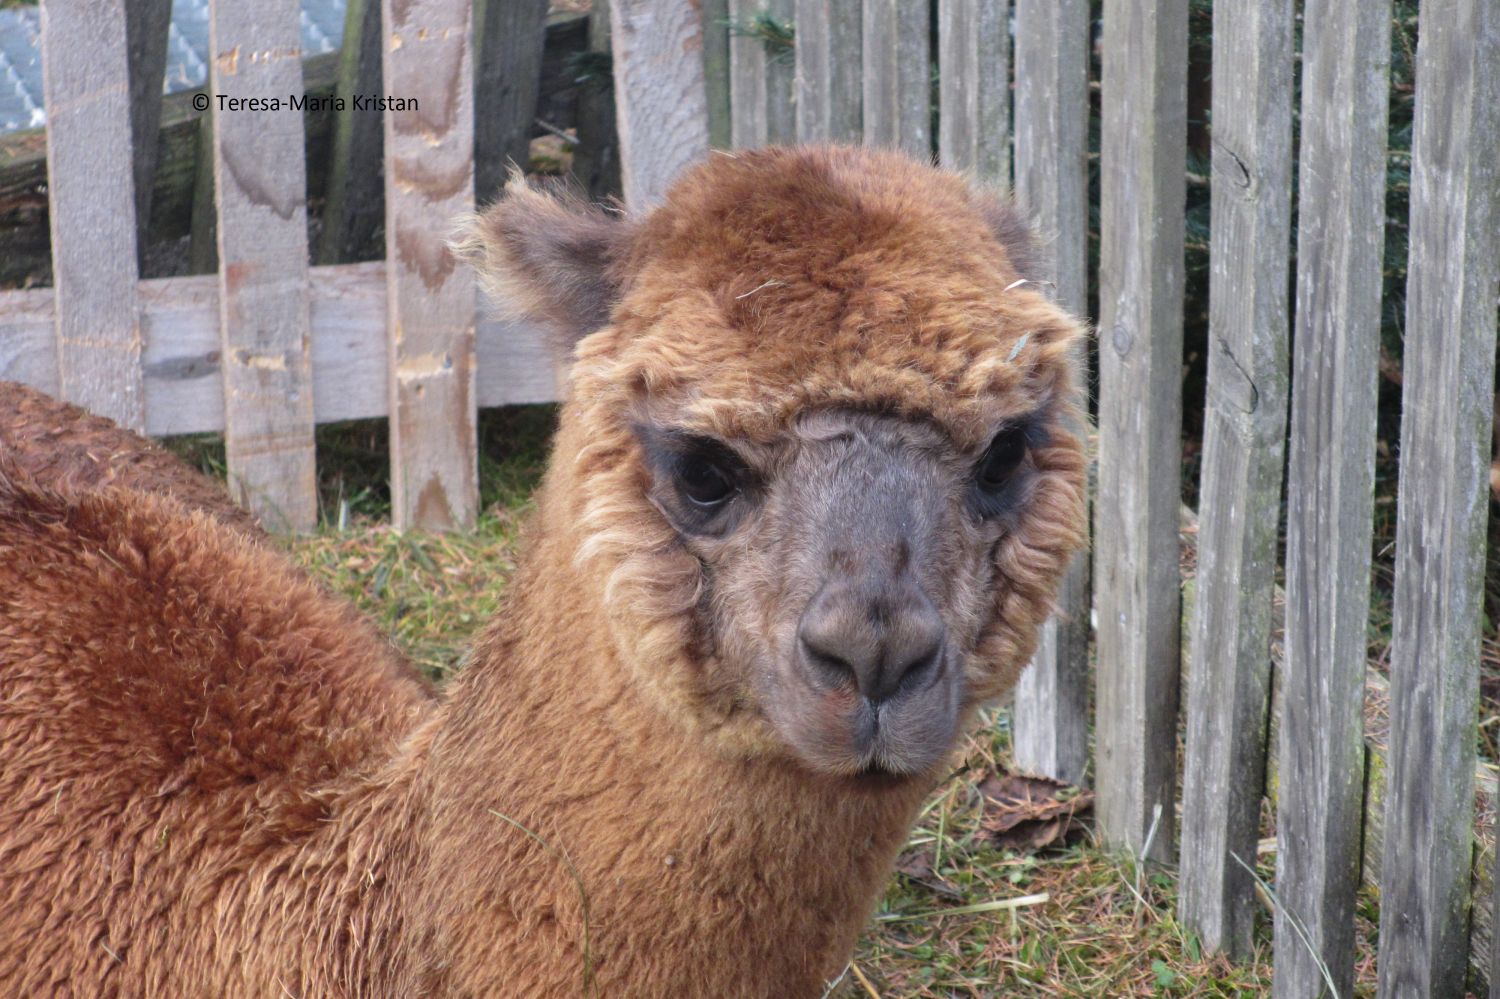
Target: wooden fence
(1368, 779)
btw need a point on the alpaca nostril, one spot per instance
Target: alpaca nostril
(919, 670)
(883, 644)
(829, 664)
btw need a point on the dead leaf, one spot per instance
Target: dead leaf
(1027, 813)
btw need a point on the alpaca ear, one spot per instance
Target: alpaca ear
(545, 254)
(1015, 234)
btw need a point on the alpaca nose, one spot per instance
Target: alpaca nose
(887, 638)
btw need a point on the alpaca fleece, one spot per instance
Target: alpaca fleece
(59, 444)
(206, 788)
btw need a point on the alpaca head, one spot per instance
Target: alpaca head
(817, 458)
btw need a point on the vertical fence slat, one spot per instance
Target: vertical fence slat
(761, 80)
(1050, 717)
(261, 192)
(747, 78)
(897, 74)
(1136, 581)
(1330, 470)
(781, 80)
(661, 106)
(1447, 406)
(716, 70)
(429, 181)
(87, 92)
(1240, 492)
(508, 37)
(829, 75)
(974, 87)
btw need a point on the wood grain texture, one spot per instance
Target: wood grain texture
(761, 80)
(260, 195)
(146, 26)
(1240, 483)
(715, 16)
(897, 71)
(508, 37)
(181, 362)
(355, 201)
(661, 106)
(429, 177)
(1376, 751)
(1050, 715)
(1448, 368)
(1330, 469)
(1136, 582)
(86, 85)
(829, 77)
(974, 88)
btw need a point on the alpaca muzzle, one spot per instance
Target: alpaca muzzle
(875, 656)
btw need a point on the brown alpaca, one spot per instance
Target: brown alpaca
(809, 500)
(61, 445)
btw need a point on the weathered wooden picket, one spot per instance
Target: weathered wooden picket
(268, 346)
(1367, 780)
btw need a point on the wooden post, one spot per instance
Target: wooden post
(716, 71)
(1050, 714)
(661, 107)
(1136, 579)
(761, 81)
(261, 194)
(429, 181)
(508, 39)
(1330, 469)
(356, 187)
(829, 80)
(146, 25)
(1244, 438)
(974, 87)
(85, 79)
(1448, 391)
(897, 62)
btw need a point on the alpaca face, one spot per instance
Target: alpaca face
(816, 451)
(848, 570)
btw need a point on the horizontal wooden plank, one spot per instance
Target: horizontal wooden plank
(179, 322)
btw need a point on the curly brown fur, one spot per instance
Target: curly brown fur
(62, 445)
(204, 792)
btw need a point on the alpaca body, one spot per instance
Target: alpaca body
(188, 729)
(246, 804)
(811, 495)
(61, 445)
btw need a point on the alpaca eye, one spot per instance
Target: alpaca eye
(703, 482)
(1001, 459)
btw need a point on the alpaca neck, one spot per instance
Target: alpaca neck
(555, 781)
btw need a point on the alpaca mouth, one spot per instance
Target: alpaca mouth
(844, 733)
